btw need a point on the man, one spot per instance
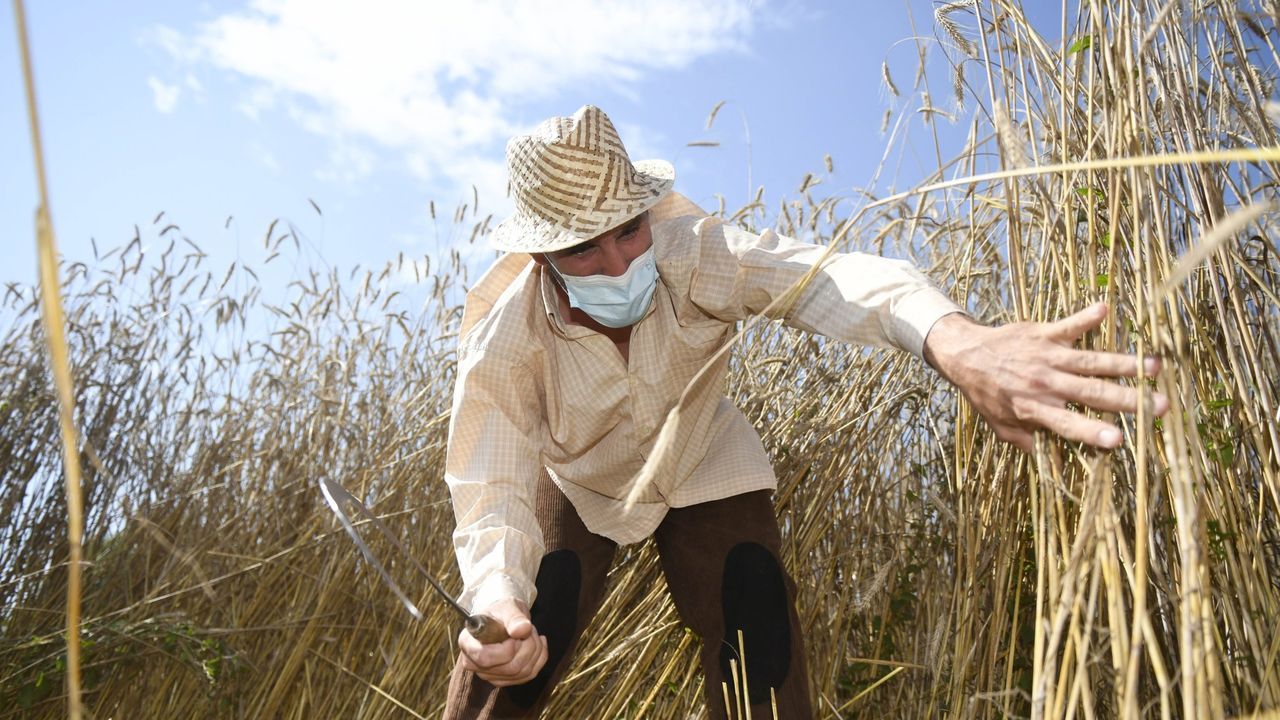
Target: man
(614, 293)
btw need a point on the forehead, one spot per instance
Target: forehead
(633, 222)
(639, 220)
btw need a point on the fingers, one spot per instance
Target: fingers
(529, 659)
(1081, 428)
(1088, 362)
(1104, 364)
(1022, 378)
(1017, 436)
(1105, 396)
(511, 662)
(1047, 409)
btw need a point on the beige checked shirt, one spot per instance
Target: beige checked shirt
(534, 392)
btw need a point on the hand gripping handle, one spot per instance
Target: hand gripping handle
(485, 629)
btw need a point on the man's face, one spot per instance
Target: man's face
(609, 253)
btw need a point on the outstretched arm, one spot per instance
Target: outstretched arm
(1021, 377)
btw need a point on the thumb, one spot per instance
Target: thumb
(519, 626)
(514, 616)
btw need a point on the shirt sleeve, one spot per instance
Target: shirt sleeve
(491, 466)
(855, 297)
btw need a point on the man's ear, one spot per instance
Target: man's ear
(541, 259)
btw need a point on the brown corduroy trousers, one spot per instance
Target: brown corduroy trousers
(721, 564)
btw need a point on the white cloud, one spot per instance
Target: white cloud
(347, 164)
(443, 84)
(172, 42)
(165, 96)
(256, 101)
(264, 155)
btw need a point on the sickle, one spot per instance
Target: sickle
(344, 505)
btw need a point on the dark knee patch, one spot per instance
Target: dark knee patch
(555, 615)
(754, 598)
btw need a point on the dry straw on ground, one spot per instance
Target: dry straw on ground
(941, 574)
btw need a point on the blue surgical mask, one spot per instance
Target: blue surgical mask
(614, 301)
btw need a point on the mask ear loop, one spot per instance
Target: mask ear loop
(556, 277)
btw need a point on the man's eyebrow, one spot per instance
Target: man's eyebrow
(619, 231)
(633, 223)
(580, 246)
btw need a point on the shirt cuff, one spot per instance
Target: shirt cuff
(914, 316)
(495, 587)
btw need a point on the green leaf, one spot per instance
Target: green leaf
(1080, 45)
(33, 693)
(1225, 455)
(211, 668)
(1102, 280)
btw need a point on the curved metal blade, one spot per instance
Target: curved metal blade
(346, 506)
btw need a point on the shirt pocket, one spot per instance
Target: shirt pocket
(691, 347)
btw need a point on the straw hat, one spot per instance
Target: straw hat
(571, 180)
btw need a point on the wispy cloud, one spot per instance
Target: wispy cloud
(165, 96)
(443, 84)
(348, 164)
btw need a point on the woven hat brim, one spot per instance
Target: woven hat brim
(526, 233)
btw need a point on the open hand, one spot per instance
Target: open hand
(1021, 377)
(513, 661)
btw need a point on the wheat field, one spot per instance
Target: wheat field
(1129, 155)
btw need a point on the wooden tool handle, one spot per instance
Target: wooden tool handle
(486, 629)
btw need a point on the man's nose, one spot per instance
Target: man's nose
(612, 261)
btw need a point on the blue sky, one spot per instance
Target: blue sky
(246, 110)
